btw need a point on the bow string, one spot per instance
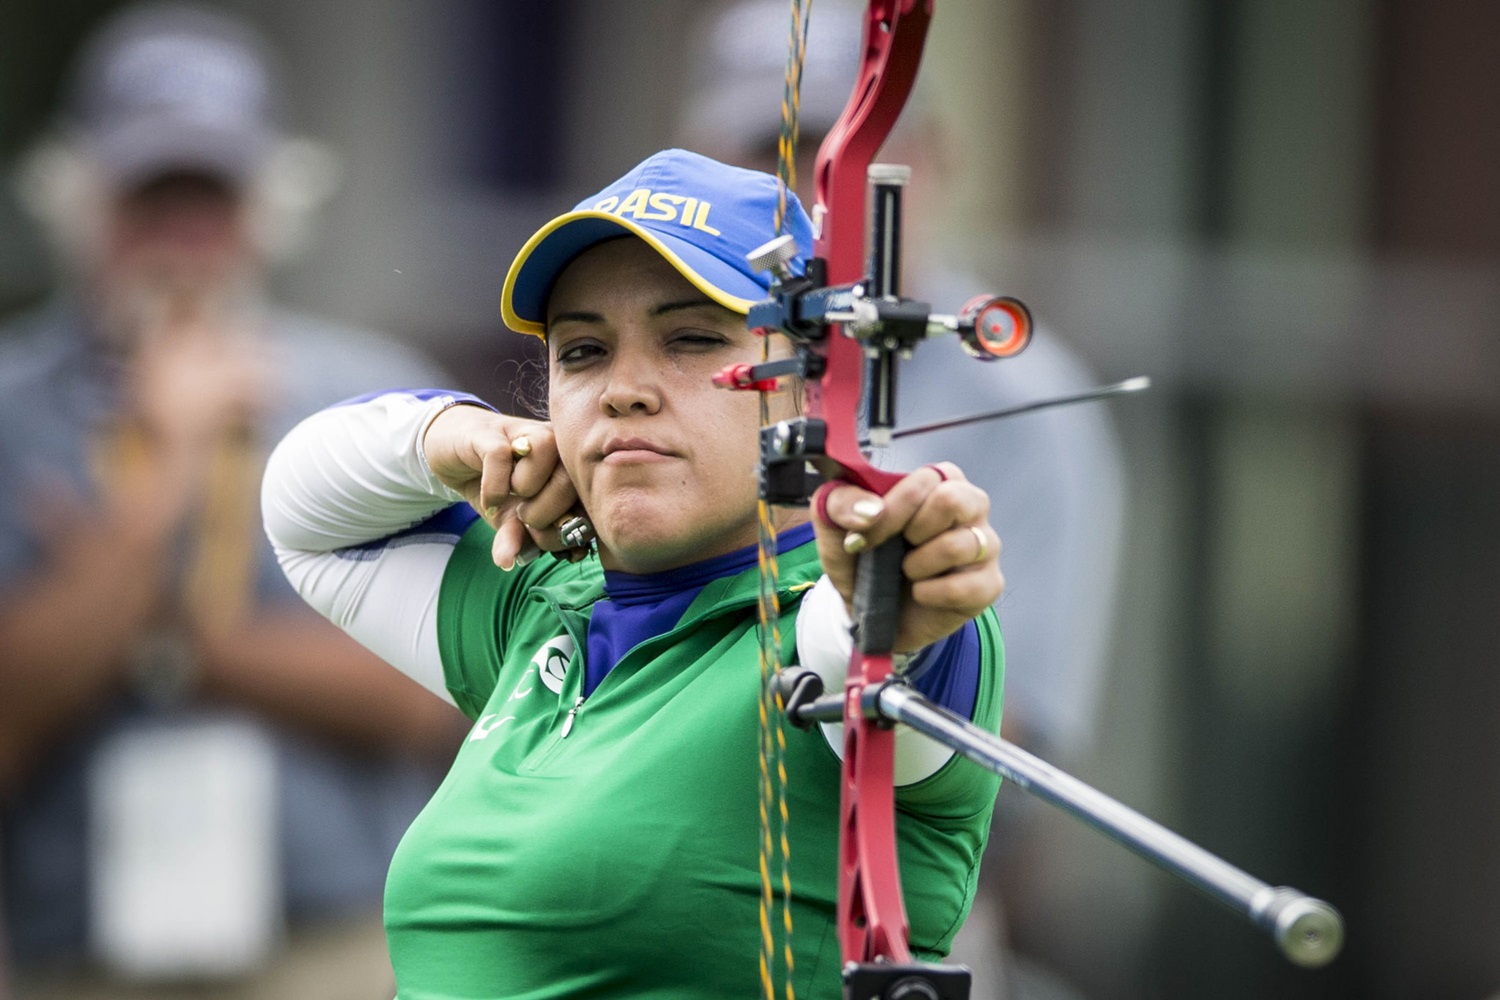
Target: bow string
(776, 844)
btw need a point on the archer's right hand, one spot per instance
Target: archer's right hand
(508, 469)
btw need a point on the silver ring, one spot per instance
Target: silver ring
(576, 532)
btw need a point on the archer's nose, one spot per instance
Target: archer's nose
(634, 386)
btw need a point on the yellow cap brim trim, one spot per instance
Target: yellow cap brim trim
(538, 328)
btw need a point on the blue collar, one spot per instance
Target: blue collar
(644, 588)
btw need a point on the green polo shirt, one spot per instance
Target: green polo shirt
(608, 846)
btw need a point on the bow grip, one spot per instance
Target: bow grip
(878, 583)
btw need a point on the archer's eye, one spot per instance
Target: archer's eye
(577, 353)
(693, 340)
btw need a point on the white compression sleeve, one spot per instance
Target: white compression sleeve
(341, 496)
(824, 645)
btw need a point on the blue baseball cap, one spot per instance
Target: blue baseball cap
(703, 216)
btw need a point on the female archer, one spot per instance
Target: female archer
(597, 833)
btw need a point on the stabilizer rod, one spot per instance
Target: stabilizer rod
(1308, 931)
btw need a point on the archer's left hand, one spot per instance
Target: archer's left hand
(952, 570)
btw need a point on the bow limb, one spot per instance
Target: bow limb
(894, 34)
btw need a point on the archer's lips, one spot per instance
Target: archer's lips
(635, 450)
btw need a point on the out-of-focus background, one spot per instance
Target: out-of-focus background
(1286, 212)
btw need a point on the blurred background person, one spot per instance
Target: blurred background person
(1055, 478)
(201, 780)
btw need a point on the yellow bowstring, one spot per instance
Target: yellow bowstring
(772, 709)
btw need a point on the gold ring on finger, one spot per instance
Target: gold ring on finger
(520, 447)
(984, 545)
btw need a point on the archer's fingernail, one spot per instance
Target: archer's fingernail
(867, 509)
(855, 543)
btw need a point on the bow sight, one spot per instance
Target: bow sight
(873, 312)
